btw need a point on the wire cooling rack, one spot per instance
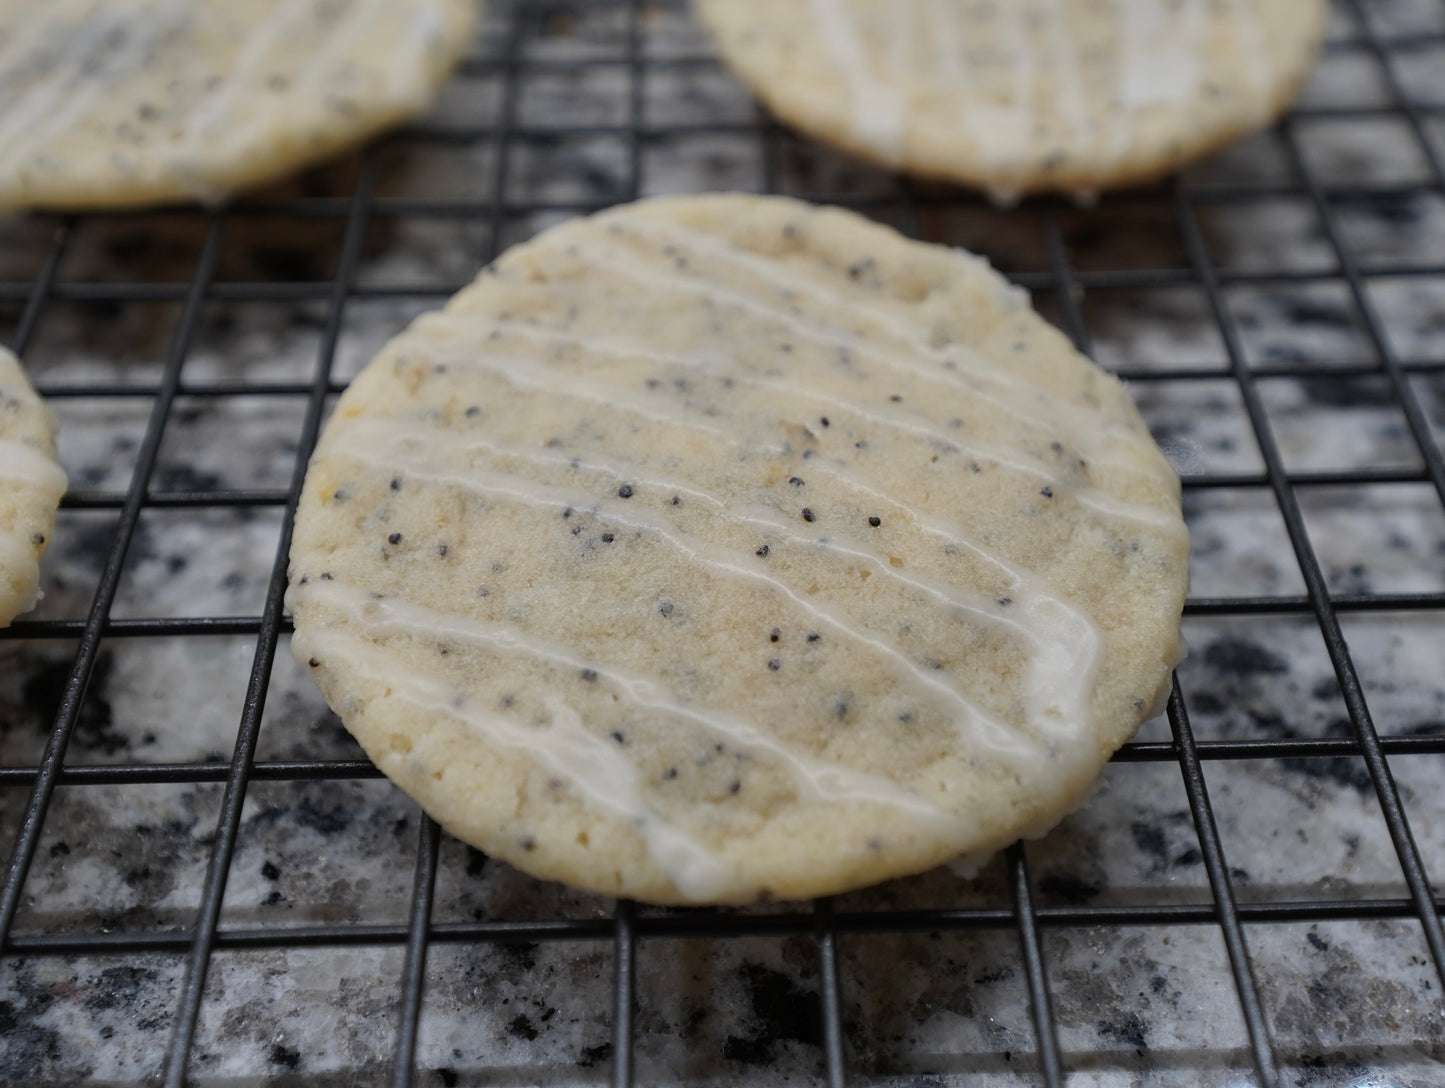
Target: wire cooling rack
(1279, 313)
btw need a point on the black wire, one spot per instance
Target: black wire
(495, 210)
(418, 934)
(825, 934)
(624, 991)
(28, 836)
(1027, 918)
(1404, 393)
(1040, 1003)
(715, 924)
(193, 987)
(1246, 987)
(1318, 592)
(1099, 279)
(1212, 851)
(41, 291)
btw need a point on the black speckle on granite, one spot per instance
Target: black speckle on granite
(521, 1027)
(95, 727)
(328, 821)
(185, 477)
(1341, 770)
(1150, 840)
(1001, 973)
(523, 954)
(1301, 310)
(476, 861)
(119, 987)
(284, 1056)
(591, 1055)
(1206, 702)
(28, 1046)
(1131, 1029)
(1242, 657)
(1069, 888)
(783, 1010)
(1348, 392)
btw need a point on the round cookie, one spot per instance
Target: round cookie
(123, 103)
(721, 548)
(1022, 96)
(31, 484)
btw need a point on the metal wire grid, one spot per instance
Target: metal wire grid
(825, 925)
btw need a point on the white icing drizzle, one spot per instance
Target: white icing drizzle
(977, 727)
(980, 607)
(23, 468)
(102, 44)
(1064, 641)
(339, 44)
(878, 109)
(241, 78)
(23, 465)
(1061, 674)
(816, 780)
(103, 48)
(529, 373)
(341, 41)
(1159, 61)
(1000, 128)
(18, 566)
(564, 746)
(1251, 41)
(20, 45)
(1069, 91)
(1013, 395)
(1018, 460)
(1158, 64)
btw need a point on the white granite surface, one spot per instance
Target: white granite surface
(1349, 1003)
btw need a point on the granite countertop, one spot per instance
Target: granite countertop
(1350, 1002)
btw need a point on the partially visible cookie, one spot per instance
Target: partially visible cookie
(1022, 96)
(119, 103)
(31, 484)
(722, 547)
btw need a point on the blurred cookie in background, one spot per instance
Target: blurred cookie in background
(1022, 96)
(127, 103)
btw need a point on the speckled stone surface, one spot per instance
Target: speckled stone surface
(1348, 1003)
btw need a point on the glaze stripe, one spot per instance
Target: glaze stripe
(816, 779)
(564, 746)
(988, 734)
(1018, 460)
(22, 464)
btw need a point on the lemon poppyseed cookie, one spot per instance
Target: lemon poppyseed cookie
(1018, 96)
(720, 548)
(119, 103)
(31, 484)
